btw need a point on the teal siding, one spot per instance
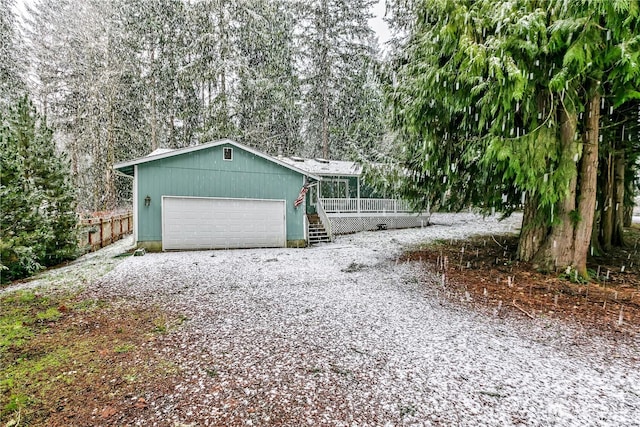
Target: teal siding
(204, 173)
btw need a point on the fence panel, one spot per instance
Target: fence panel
(98, 232)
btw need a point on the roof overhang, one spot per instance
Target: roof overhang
(326, 168)
(127, 167)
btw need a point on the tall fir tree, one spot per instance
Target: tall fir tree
(338, 54)
(37, 200)
(267, 108)
(119, 78)
(12, 65)
(87, 83)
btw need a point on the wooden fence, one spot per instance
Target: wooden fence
(98, 232)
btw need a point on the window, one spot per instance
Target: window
(335, 189)
(227, 153)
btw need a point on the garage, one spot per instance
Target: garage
(221, 194)
(222, 223)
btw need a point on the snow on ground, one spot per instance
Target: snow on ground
(342, 334)
(77, 274)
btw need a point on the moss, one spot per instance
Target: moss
(55, 348)
(27, 315)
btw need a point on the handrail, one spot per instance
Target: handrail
(326, 222)
(336, 205)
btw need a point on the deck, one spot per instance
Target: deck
(344, 216)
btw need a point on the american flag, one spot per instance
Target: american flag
(300, 198)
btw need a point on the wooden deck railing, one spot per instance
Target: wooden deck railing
(366, 206)
(98, 232)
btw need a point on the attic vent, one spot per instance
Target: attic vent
(297, 159)
(319, 160)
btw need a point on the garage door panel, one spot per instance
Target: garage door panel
(210, 223)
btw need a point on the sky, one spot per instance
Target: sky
(378, 25)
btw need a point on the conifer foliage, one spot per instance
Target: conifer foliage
(499, 104)
(37, 202)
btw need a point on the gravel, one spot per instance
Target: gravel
(343, 334)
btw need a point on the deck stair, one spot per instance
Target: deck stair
(317, 232)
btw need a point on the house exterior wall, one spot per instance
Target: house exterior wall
(205, 173)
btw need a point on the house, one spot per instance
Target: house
(342, 203)
(217, 195)
(226, 195)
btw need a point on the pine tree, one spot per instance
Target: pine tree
(11, 49)
(267, 106)
(37, 213)
(338, 56)
(89, 84)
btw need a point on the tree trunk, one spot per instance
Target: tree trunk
(110, 186)
(557, 250)
(325, 83)
(596, 248)
(533, 231)
(628, 215)
(588, 183)
(225, 128)
(618, 205)
(154, 107)
(606, 223)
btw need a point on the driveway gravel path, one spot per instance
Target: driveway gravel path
(343, 334)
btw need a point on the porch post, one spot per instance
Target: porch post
(358, 185)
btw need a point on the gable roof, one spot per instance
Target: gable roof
(163, 153)
(325, 167)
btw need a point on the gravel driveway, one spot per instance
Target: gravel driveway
(343, 334)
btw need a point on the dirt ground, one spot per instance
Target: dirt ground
(485, 270)
(92, 364)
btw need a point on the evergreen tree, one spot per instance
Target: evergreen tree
(11, 50)
(619, 152)
(37, 202)
(487, 105)
(267, 109)
(119, 78)
(338, 57)
(88, 83)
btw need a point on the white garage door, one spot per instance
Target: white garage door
(213, 223)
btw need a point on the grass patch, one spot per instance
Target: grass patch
(124, 348)
(24, 314)
(58, 352)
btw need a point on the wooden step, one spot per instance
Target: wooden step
(314, 219)
(317, 232)
(315, 240)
